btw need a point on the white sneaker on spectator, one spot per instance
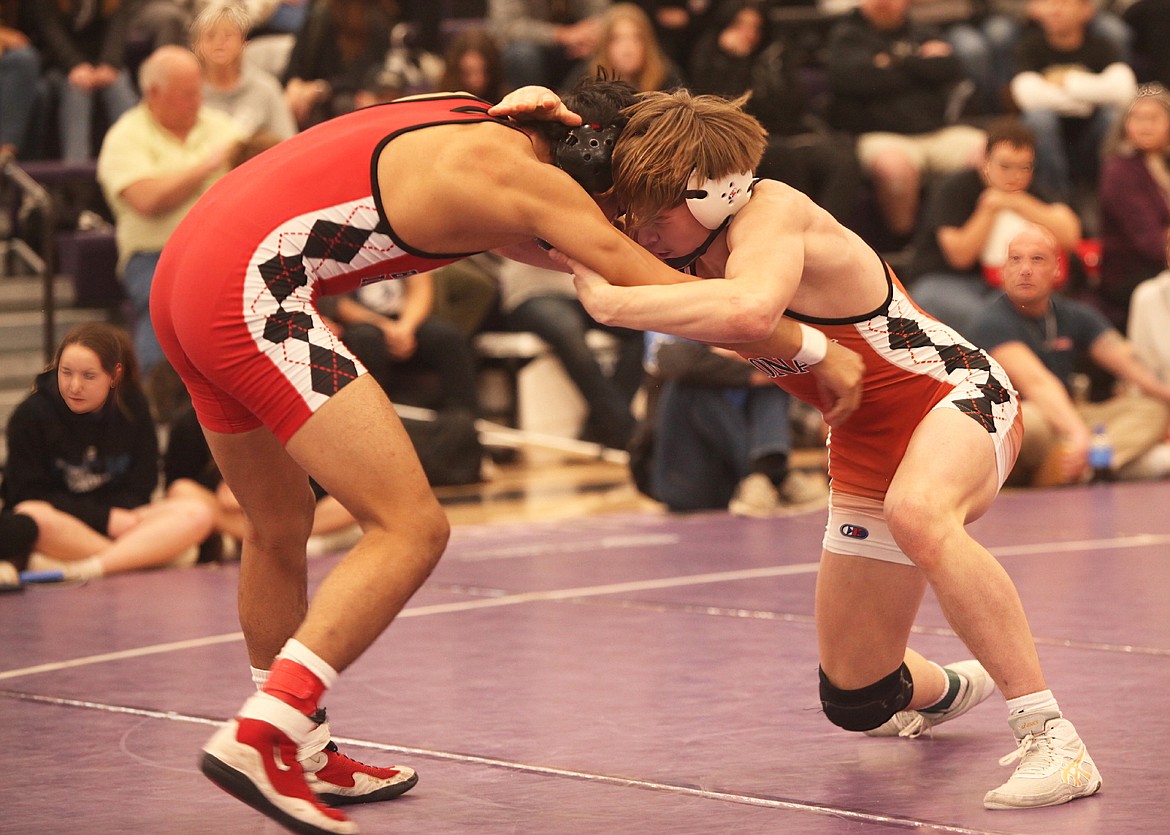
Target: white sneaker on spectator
(755, 496)
(801, 487)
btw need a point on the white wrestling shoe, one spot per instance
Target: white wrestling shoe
(1055, 767)
(976, 685)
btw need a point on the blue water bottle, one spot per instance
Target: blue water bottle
(1101, 454)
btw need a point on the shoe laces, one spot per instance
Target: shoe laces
(332, 748)
(1036, 752)
(916, 727)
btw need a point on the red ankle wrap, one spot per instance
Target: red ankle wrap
(295, 685)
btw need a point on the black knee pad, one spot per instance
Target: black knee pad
(869, 707)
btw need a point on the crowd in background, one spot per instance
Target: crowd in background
(938, 130)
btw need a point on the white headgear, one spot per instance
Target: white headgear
(713, 201)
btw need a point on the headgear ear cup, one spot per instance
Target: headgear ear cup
(713, 201)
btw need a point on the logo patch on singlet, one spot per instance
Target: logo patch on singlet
(855, 531)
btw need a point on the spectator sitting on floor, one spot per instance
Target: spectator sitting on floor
(718, 434)
(961, 242)
(1039, 336)
(83, 462)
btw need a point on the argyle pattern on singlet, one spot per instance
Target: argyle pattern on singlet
(285, 274)
(908, 334)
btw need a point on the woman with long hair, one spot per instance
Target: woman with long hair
(1133, 200)
(629, 50)
(83, 462)
(472, 64)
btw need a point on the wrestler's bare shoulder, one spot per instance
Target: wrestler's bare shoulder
(461, 149)
(841, 275)
(778, 196)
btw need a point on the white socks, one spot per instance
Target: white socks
(89, 568)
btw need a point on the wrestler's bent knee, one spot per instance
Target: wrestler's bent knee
(870, 706)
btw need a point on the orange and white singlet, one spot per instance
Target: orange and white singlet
(913, 364)
(233, 297)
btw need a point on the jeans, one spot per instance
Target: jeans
(562, 322)
(707, 438)
(440, 348)
(75, 113)
(20, 69)
(136, 279)
(1065, 146)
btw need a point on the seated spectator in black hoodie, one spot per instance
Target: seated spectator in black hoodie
(83, 462)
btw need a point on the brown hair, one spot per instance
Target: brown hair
(655, 65)
(484, 43)
(113, 348)
(1012, 131)
(668, 137)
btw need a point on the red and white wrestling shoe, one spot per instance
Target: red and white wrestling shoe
(340, 780)
(256, 762)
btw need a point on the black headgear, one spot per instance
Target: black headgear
(585, 154)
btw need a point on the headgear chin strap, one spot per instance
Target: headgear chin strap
(714, 201)
(585, 155)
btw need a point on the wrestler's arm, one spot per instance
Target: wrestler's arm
(746, 307)
(744, 311)
(550, 206)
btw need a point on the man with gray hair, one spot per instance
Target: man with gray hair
(155, 162)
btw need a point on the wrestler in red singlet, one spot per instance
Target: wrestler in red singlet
(233, 298)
